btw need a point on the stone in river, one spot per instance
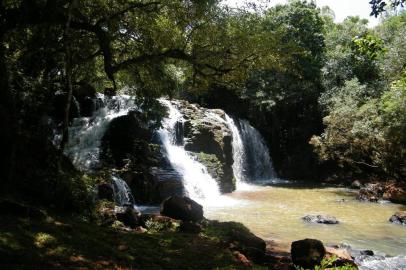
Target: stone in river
(322, 219)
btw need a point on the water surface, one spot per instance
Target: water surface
(275, 213)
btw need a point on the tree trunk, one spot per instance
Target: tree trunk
(8, 118)
(68, 71)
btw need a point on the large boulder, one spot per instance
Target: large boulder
(183, 208)
(126, 139)
(155, 185)
(399, 218)
(129, 216)
(206, 131)
(307, 253)
(321, 219)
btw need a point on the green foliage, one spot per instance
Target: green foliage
(368, 46)
(364, 133)
(329, 264)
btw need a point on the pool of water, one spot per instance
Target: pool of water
(275, 212)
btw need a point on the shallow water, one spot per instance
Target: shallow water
(275, 213)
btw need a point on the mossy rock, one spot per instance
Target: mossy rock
(217, 170)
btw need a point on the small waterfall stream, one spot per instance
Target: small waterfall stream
(198, 184)
(250, 153)
(86, 133)
(122, 192)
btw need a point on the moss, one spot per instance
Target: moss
(67, 243)
(212, 163)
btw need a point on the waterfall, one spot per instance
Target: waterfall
(238, 152)
(122, 192)
(199, 185)
(250, 153)
(85, 133)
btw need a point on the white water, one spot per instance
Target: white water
(258, 163)
(251, 155)
(85, 133)
(198, 183)
(238, 153)
(384, 263)
(122, 192)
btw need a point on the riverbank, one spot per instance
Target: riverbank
(61, 242)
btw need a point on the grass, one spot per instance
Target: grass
(69, 243)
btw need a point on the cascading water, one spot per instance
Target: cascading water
(85, 133)
(198, 184)
(239, 163)
(250, 153)
(380, 262)
(122, 192)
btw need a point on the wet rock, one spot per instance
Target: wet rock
(105, 192)
(366, 252)
(206, 131)
(322, 219)
(371, 193)
(183, 208)
(356, 184)
(129, 216)
(307, 253)
(399, 218)
(155, 185)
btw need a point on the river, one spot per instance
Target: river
(275, 212)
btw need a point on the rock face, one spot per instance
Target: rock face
(307, 253)
(399, 218)
(126, 139)
(205, 133)
(129, 145)
(321, 219)
(182, 208)
(155, 185)
(391, 190)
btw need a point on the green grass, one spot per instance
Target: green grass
(67, 243)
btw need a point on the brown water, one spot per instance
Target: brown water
(275, 213)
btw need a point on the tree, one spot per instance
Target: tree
(379, 6)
